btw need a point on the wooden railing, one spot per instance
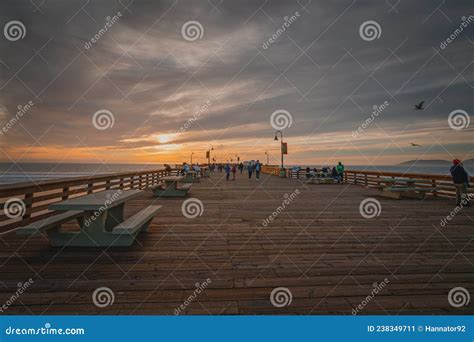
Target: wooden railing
(33, 198)
(442, 184)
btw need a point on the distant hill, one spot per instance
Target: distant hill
(435, 162)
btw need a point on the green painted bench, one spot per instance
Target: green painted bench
(137, 223)
(398, 192)
(190, 177)
(50, 223)
(171, 190)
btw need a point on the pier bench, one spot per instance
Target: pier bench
(101, 220)
(404, 187)
(190, 177)
(169, 188)
(51, 222)
(138, 222)
(398, 192)
(322, 180)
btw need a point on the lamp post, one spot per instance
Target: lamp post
(192, 157)
(237, 158)
(211, 148)
(282, 169)
(268, 157)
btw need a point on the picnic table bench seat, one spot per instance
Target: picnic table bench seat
(138, 222)
(50, 222)
(161, 190)
(398, 191)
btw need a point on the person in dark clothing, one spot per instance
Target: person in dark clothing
(250, 169)
(308, 175)
(227, 171)
(241, 167)
(335, 175)
(461, 182)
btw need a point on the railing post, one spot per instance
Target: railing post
(89, 188)
(355, 178)
(28, 206)
(121, 183)
(107, 185)
(366, 180)
(65, 193)
(433, 184)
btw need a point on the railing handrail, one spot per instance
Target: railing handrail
(434, 176)
(42, 185)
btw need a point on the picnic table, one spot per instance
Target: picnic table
(169, 187)
(101, 219)
(191, 177)
(404, 187)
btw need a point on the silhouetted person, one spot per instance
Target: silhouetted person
(461, 182)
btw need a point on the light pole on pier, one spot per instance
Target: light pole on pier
(282, 145)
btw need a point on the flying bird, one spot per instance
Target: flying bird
(413, 144)
(419, 106)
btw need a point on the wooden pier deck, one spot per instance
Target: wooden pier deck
(319, 247)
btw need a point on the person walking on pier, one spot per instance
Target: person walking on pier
(234, 171)
(461, 182)
(227, 171)
(250, 170)
(258, 167)
(340, 171)
(241, 167)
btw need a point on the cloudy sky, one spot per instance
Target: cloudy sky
(153, 81)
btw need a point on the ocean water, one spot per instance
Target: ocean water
(25, 172)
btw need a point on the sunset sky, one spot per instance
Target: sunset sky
(169, 94)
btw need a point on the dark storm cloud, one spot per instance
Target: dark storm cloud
(152, 80)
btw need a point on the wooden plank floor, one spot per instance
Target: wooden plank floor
(319, 247)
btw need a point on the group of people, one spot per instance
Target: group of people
(233, 168)
(336, 172)
(193, 167)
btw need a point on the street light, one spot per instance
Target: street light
(268, 156)
(211, 148)
(192, 157)
(282, 170)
